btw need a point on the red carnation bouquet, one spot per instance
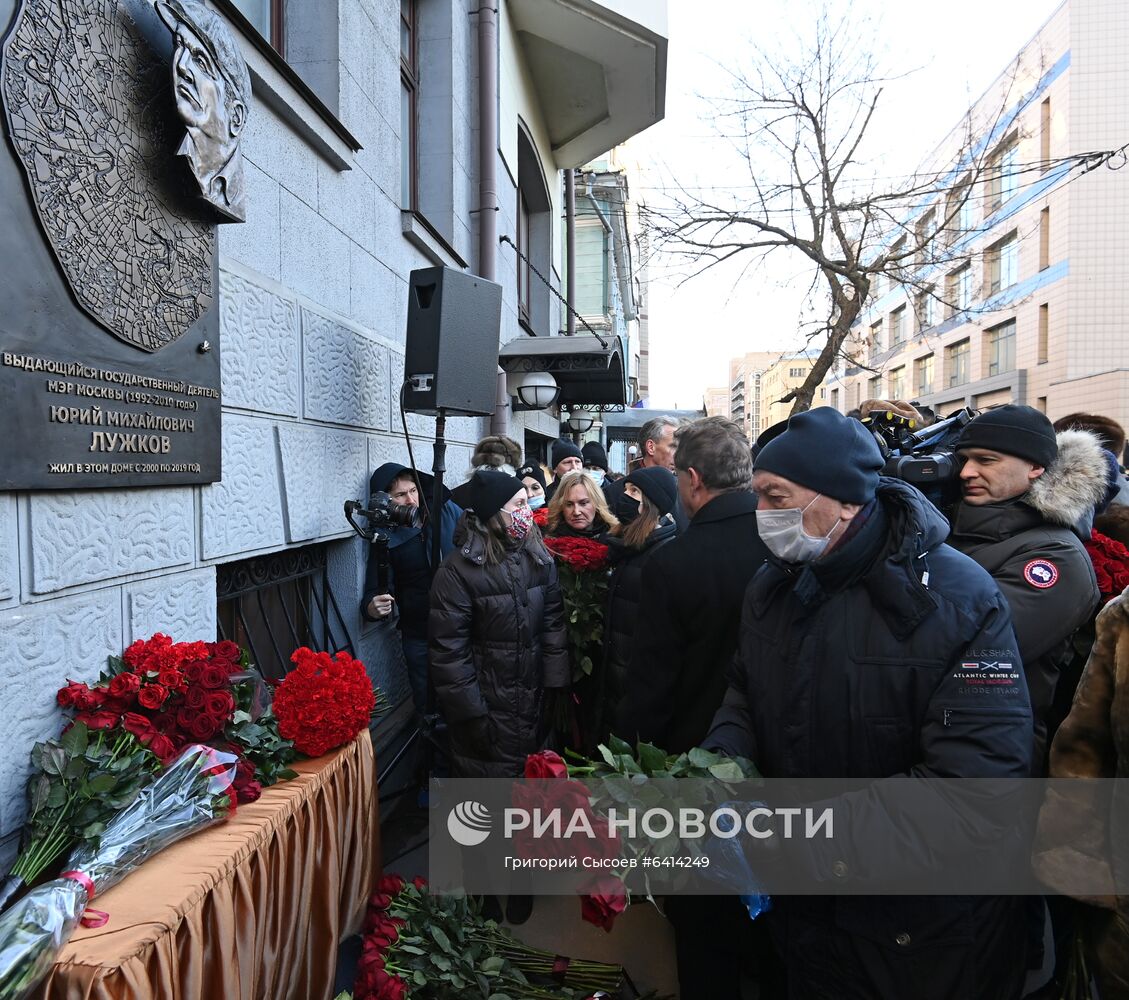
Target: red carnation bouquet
(1111, 564)
(324, 701)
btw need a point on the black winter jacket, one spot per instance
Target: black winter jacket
(496, 642)
(624, 590)
(857, 666)
(686, 629)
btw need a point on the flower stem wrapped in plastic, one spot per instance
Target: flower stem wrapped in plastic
(190, 794)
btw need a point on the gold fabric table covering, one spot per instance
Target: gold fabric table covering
(250, 909)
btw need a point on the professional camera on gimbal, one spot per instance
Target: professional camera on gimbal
(924, 457)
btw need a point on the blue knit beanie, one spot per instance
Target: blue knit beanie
(826, 452)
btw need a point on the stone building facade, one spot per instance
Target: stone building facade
(362, 162)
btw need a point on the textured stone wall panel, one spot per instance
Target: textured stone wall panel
(9, 564)
(82, 537)
(321, 469)
(182, 606)
(260, 347)
(40, 647)
(346, 374)
(243, 512)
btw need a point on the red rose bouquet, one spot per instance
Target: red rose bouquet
(581, 567)
(324, 701)
(1111, 564)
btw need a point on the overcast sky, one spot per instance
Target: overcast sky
(954, 54)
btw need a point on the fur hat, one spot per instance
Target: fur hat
(496, 452)
(1109, 432)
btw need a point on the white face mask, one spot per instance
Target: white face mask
(537, 501)
(782, 532)
(597, 474)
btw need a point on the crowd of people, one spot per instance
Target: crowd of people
(791, 604)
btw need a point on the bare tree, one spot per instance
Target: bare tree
(801, 127)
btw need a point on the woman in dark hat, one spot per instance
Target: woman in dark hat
(645, 510)
(497, 638)
(532, 477)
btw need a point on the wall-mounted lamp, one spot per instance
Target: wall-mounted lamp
(537, 390)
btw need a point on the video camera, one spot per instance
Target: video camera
(926, 457)
(382, 513)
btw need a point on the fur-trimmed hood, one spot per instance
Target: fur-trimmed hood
(1074, 484)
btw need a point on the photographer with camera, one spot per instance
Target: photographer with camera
(409, 531)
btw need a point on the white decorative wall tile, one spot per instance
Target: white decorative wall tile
(81, 537)
(346, 374)
(243, 512)
(321, 469)
(40, 647)
(182, 606)
(259, 335)
(9, 548)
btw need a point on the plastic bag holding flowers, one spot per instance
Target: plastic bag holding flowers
(192, 793)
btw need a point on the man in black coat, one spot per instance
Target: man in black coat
(691, 591)
(870, 649)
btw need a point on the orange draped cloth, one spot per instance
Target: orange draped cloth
(250, 909)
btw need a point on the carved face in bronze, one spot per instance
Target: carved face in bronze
(211, 89)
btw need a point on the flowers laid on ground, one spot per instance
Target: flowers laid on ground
(419, 946)
(1111, 564)
(194, 791)
(324, 701)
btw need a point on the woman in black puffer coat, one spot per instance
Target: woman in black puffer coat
(645, 510)
(496, 633)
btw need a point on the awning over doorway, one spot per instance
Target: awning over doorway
(589, 373)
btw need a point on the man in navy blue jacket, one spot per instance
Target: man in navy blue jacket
(856, 644)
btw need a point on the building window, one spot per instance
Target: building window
(925, 308)
(924, 367)
(533, 237)
(926, 230)
(265, 16)
(1044, 239)
(875, 338)
(1044, 332)
(960, 290)
(835, 398)
(823, 392)
(797, 372)
(898, 383)
(897, 259)
(1045, 134)
(1001, 348)
(1001, 264)
(898, 326)
(956, 357)
(960, 211)
(874, 387)
(1003, 174)
(409, 99)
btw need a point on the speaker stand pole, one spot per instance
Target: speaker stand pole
(438, 467)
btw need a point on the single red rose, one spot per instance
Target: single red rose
(605, 900)
(227, 650)
(194, 671)
(390, 885)
(124, 686)
(98, 720)
(163, 747)
(545, 764)
(205, 726)
(195, 697)
(214, 676)
(420, 882)
(249, 791)
(380, 901)
(95, 698)
(76, 695)
(139, 725)
(152, 696)
(171, 678)
(219, 704)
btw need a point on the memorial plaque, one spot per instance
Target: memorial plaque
(109, 331)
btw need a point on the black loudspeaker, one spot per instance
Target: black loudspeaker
(451, 356)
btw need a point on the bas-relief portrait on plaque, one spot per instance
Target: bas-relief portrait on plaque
(124, 121)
